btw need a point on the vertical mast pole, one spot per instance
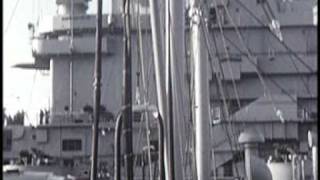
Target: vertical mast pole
(177, 56)
(159, 66)
(127, 92)
(170, 174)
(169, 169)
(157, 46)
(97, 92)
(202, 128)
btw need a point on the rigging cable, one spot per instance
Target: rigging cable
(11, 17)
(248, 51)
(281, 42)
(227, 56)
(262, 72)
(225, 115)
(220, 84)
(249, 57)
(219, 79)
(140, 54)
(292, 60)
(266, 89)
(179, 108)
(221, 69)
(230, 125)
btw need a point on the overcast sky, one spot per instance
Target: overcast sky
(26, 89)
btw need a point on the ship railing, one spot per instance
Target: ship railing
(67, 117)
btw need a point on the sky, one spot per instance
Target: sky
(26, 90)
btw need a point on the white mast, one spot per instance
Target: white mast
(201, 85)
(158, 52)
(174, 44)
(177, 56)
(159, 66)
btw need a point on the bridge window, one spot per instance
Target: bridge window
(71, 145)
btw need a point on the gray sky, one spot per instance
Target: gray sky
(26, 89)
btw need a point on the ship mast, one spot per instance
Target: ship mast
(159, 66)
(170, 140)
(127, 92)
(201, 86)
(97, 92)
(176, 55)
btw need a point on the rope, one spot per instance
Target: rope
(11, 17)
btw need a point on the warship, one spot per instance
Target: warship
(206, 89)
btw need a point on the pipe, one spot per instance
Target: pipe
(313, 144)
(249, 151)
(294, 167)
(315, 162)
(250, 138)
(298, 168)
(117, 149)
(158, 51)
(161, 147)
(97, 92)
(302, 169)
(118, 131)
